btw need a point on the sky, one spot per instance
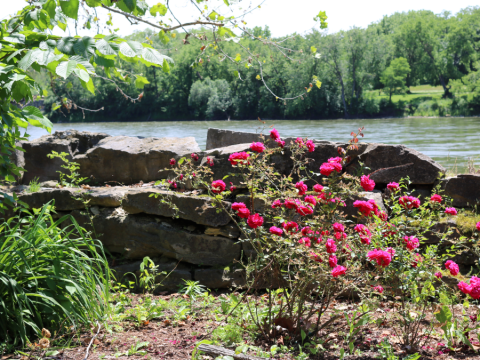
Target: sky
(287, 16)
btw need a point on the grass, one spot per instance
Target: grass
(50, 277)
(34, 186)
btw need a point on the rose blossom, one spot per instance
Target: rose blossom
(243, 213)
(331, 246)
(299, 141)
(304, 210)
(409, 202)
(290, 226)
(310, 146)
(378, 288)
(236, 206)
(276, 231)
(417, 258)
(232, 187)
(332, 261)
(274, 134)
(254, 221)
(310, 199)
(258, 147)
(436, 198)
(478, 226)
(393, 186)
(411, 242)
(452, 267)
(338, 227)
(240, 158)
(209, 161)
(438, 275)
(305, 241)
(276, 203)
(301, 187)
(290, 204)
(339, 270)
(362, 229)
(366, 183)
(364, 207)
(172, 162)
(451, 211)
(318, 188)
(218, 186)
(181, 177)
(383, 258)
(280, 143)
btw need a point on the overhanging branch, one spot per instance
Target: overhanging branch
(166, 29)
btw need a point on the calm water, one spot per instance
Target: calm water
(451, 141)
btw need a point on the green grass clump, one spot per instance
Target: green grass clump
(34, 186)
(50, 277)
(466, 222)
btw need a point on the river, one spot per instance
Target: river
(450, 141)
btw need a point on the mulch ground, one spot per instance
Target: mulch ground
(177, 341)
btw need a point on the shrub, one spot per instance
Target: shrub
(49, 277)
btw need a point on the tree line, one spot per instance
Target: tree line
(388, 57)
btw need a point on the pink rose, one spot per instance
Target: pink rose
(310, 199)
(254, 221)
(436, 198)
(236, 206)
(393, 186)
(411, 242)
(332, 261)
(218, 186)
(451, 211)
(243, 213)
(276, 203)
(301, 187)
(339, 270)
(310, 146)
(319, 188)
(274, 134)
(438, 275)
(378, 289)
(276, 231)
(172, 162)
(290, 226)
(194, 157)
(258, 147)
(305, 241)
(366, 183)
(280, 143)
(239, 158)
(331, 246)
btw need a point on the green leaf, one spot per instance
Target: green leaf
(141, 81)
(85, 47)
(444, 315)
(33, 15)
(15, 38)
(107, 48)
(50, 7)
(65, 68)
(163, 37)
(159, 8)
(313, 49)
(36, 118)
(101, 61)
(66, 45)
(82, 74)
(165, 66)
(226, 2)
(213, 15)
(127, 5)
(30, 58)
(154, 57)
(70, 8)
(131, 48)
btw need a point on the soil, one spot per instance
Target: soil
(177, 341)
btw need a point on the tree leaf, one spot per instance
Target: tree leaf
(36, 118)
(65, 45)
(85, 47)
(131, 48)
(141, 81)
(165, 66)
(127, 5)
(70, 8)
(107, 48)
(154, 57)
(159, 8)
(226, 2)
(163, 37)
(101, 61)
(65, 68)
(82, 74)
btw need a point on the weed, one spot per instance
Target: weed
(34, 186)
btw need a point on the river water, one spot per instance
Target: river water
(450, 141)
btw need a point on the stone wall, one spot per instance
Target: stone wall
(197, 241)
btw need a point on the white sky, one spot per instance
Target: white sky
(287, 16)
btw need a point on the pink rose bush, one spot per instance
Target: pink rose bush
(302, 228)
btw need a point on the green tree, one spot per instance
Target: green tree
(394, 76)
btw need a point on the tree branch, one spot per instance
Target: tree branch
(127, 15)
